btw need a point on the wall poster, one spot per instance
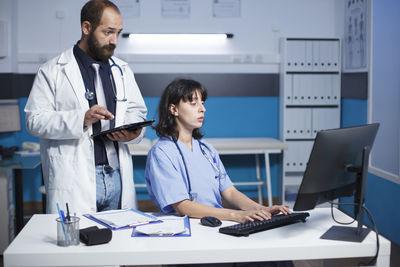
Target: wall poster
(355, 43)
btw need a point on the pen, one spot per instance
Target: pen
(68, 216)
(62, 223)
(63, 215)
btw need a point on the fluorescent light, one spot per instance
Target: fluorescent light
(177, 36)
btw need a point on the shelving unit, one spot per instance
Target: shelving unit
(309, 102)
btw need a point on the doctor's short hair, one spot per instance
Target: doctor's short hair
(177, 90)
(93, 10)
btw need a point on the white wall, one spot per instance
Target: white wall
(40, 35)
(5, 42)
(385, 94)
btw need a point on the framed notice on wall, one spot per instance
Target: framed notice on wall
(129, 8)
(178, 9)
(356, 38)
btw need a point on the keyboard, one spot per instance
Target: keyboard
(244, 229)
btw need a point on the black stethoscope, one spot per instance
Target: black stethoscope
(213, 164)
(89, 95)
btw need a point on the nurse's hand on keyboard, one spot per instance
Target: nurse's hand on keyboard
(275, 209)
(260, 213)
(251, 215)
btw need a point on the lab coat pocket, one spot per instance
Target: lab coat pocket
(62, 172)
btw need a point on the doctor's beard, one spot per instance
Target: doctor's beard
(98, 52)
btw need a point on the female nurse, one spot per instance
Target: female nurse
(184, 173)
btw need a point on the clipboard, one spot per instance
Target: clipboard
(130, 127)
(106, 218)
(187, 233)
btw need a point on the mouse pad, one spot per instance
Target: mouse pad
(131, 127)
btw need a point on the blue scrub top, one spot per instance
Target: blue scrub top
(166, 174)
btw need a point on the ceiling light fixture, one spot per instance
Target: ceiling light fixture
(177, 36)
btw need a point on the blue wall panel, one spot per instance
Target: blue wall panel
(381, 194)
(225, 117)
(381, 201)
(354, 112)
(31, 178)
(231, 117)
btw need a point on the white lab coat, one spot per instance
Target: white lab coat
(55, 113)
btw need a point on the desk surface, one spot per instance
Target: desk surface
(20, 163)
(258, 144)
(36, 245)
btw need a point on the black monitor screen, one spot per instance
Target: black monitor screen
(328, 174)
(338, 167)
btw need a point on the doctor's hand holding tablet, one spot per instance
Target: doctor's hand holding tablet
(96, 113)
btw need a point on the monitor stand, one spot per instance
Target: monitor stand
(346, 233)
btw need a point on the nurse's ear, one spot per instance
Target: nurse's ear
(173, 110)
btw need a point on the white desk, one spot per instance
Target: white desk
(234, 146)
(36, 245)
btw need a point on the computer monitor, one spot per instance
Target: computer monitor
(338, 167)
(10, 119)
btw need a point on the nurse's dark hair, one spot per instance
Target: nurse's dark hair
(93, 10)
(177, 90)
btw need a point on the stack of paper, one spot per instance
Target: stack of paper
(170, 226)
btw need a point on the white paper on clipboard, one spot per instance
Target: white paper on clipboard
(170, 226)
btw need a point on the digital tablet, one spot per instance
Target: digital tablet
(130, 127)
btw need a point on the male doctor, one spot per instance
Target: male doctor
(81, 92)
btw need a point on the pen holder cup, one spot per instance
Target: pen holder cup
(68, 232)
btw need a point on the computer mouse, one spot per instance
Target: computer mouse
(210, 221)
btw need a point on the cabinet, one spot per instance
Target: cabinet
(309, 102)
(6, 209)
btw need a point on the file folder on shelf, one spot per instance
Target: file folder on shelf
(316, 56)
(309, 56)
(121, 219)
(296, 156)
(324, 119)
(297, 123)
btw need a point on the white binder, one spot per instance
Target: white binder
(291, 55)
(324, 119)
(324, 55)
(297, 155)
(288, 93)
(315, 53)
(335, 47)
(335, 90)
(309, 56)
(298, 123)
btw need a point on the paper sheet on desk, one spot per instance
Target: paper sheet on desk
(170, 226)
(119, 219)
(27, 153)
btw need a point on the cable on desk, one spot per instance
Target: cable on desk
(373, 260)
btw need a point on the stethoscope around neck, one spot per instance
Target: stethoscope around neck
(212, 162)
(89, 95)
